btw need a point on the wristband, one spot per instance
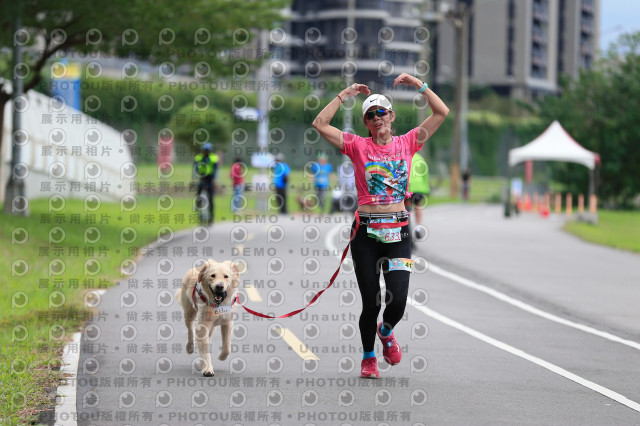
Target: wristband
(423, 88)
(341, 101)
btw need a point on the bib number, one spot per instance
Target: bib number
(385, 235)
(222, 310)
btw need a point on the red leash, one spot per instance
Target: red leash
(333, 278)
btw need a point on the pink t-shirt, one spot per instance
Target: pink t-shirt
(236, 174)
(382, 172)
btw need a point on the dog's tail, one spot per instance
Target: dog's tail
(178, 294)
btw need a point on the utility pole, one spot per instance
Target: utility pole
(15, 184)
(263, 96)
(424, 59)
(261, 179)
(460, 18)
(349, 45)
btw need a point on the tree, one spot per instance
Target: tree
(600, 110)
(194, 128)
(200, 34)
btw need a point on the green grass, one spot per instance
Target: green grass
(179, 182)
(483, 189)
(42, 305)
(618, 229)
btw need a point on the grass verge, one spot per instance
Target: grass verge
(53, 258)
(618, 229)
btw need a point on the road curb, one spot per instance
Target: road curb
(66, 413)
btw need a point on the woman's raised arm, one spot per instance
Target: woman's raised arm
(322, 122)
(440, 111)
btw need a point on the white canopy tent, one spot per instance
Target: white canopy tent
(554, 144)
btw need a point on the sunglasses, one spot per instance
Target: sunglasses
(376, 113)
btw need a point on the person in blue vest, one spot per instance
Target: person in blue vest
(281, 171)
(205, 168)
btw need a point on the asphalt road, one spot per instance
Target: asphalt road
(509, 321)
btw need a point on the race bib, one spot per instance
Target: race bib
(222, 310)
(400, 264)
(384, 235)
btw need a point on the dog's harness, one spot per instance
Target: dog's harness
(197, 291)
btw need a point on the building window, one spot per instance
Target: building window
(539, 37)
(336, 4)
(511, 19)
(561, 34)
(371, 4)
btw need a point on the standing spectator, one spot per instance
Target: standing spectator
(281, 171)
(466, 182)
(321, 171)
(205, 168)
(237, 179)
(344, 196)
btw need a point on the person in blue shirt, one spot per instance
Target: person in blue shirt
(321, 171)
(281, 171)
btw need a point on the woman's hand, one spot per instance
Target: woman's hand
(354, 90)
(407, 80)
(322, 122)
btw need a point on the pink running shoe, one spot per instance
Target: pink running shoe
(369, 368)
(391, 350)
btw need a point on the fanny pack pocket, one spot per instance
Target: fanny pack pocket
(385, 230)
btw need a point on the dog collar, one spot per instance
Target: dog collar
(197, 291)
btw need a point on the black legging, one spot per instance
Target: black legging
(206, 186)
(368, 256)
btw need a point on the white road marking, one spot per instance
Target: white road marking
(508, 348)
(524, 355)
(329, 237)
(531, 309)
(507, 299)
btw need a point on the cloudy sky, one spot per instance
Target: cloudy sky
(618, 17)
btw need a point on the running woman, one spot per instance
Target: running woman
(382, 164)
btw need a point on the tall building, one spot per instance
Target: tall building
(370, 41)
(579, 35)
(521, 47)
(518, 47)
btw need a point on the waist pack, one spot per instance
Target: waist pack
(386, 230)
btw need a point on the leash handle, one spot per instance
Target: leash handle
(318, 294)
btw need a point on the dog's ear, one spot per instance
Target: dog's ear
(235, 273)
(202, 272)
(235, 270)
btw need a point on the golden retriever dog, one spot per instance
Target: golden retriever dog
(208, 296)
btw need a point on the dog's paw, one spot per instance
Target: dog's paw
(223, 355)
(190, 348)
(208, 373)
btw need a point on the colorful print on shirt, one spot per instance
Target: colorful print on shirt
(387, 180)
(381, 171)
